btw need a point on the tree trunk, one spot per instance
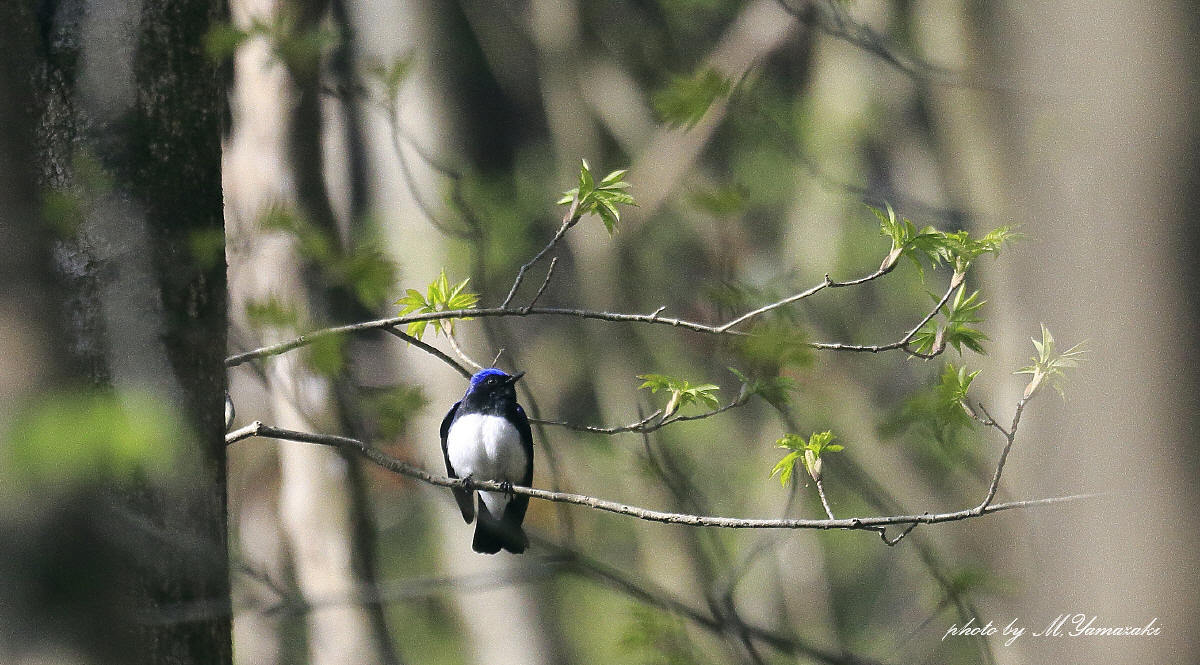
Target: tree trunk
(124, 558)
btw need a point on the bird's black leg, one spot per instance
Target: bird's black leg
(507, 487)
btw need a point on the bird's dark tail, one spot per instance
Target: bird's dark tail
(492, 534)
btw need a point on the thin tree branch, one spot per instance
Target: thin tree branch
(434, 351)
(570, 219)
(638, 426)
(882, 530)
(1010, 436)
(616, 317)
(392, 110)
(462, 355)
(664, 600)
(855, 523)
(542, 288)
(832, 20)
(903, 342)
(824, 499)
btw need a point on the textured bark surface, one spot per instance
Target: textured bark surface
(126, 111)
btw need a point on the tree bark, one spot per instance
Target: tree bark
(123, 561)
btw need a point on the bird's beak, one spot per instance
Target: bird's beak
(515, 377)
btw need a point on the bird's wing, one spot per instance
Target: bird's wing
(515, 511)
(466, 502)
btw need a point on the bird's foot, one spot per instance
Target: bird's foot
(507, 487)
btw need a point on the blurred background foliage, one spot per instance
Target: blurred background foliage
(428, 141)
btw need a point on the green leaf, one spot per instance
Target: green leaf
(91, 437)
(955, 382)
(392, 75)
(791, 442)
(391, 410)
(682, 392)
(686, 99)
(816, 444)
(1049, 363)
(272, 313)
(326, 355)
(775, 389)
(223, 40)
(786, 466)
(440, 297)
(601, 200)
(957, 248)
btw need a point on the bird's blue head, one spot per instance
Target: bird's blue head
(492, 380)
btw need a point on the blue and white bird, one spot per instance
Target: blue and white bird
(486, 436)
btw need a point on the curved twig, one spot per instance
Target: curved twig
(854, 523)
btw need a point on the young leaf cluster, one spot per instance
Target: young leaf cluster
(775, 389)
(955, 383)
(957, 249)
(686, 99)
(440, 296)
(599, 198)
(808, 451)
(1049, 363)
(682, 392)
(960, 315)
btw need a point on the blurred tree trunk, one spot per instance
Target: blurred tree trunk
(119, 562)
(281, 153)
(1097, 146)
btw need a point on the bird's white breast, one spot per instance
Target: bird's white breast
(486, 447)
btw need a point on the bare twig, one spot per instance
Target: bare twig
(882, 530)
(1010, 436)
(434, 351)
(831, 19)
(664, 600)
(855, 523)
(638, 426)
(646, 424)
(462, 355)
(776, 305)
(308, 338)
(824, 499)
(393, 115)
(542, 288)
(617, 317)
(571, 218)
(903, 342)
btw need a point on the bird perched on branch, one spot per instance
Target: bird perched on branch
(486, 436)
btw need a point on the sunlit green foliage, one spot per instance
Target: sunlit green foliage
(91, 436)
(1049, 363)
(440, 296)
(299, 49)
(808, 451)
(960, 315)
(600, 198)
(957, 249)
(682, 392)
(776, 390)
(687, 98)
